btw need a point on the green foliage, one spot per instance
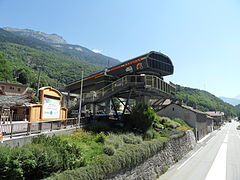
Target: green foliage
(100, 137)
(131, 138)
(5, 70)
(87, 142)
(150, 134)
(204, 101)
(109, 150)
(115, 140)
(142, 117)
(181, 122)
(168, 123)
(58, 65)
(238, 127)
(38, 160)
(70, 153)
(127, 156)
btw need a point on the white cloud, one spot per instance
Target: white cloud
(97, 50)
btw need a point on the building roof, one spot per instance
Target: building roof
(186, 107)
(11, 100)
(13, 84)
(215, 113)
(191, 109)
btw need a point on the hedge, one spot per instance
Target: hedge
(127, 156)
(39, 159)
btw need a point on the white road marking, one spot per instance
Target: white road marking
(209, 140)
(237, 134)
(226, 139)
(218, 168)
(189, 158)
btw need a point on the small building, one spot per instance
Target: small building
(14, 108)
(23, 108)
(50, 106)
(194, 118)
(13, 88)
(218, 117)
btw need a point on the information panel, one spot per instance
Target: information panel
(51, 109)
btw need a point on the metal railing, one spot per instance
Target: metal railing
(36, 127)
(146, 81)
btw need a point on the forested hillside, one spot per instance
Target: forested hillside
(204, 101)
(22, 56)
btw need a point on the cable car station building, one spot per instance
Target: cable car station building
(140, 78)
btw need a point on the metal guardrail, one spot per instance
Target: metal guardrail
(147, 81)
(36, 127)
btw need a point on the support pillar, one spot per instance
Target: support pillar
(107, 106)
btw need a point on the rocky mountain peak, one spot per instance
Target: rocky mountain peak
(49, 38)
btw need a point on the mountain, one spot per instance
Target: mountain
(233, 101)
(204, 101)
(28, 33)
(24, 52)
(61, 45)
(238, 106)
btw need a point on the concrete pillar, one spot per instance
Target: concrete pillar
(107, 106)
(68, 99)
(93, 109)
(84, 109)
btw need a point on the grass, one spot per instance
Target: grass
(87, 141)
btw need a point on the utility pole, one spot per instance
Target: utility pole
(80, 101)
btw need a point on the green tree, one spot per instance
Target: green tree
(5, 71)
(142, 117)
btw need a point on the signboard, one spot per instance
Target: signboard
(51, 109)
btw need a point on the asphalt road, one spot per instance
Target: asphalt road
(216, 158)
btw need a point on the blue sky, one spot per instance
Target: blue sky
(201, 37)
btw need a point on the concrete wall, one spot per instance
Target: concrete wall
(150, 169)
(19, 141)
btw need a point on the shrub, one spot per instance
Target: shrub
(44, 161)
(150, 134)
(109, 150)
(114, 140)
(70, 154)
(158, 126)
(4, 161)
(128, 156)
(100, 137)
(168, 123)
(131, 139)
(181, 122)
(142, 117)
(32, 161)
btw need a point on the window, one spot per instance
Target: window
(2, 87)
(11, 87)
(19, 89)
(172, 109)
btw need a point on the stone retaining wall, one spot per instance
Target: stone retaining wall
(173, 151)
